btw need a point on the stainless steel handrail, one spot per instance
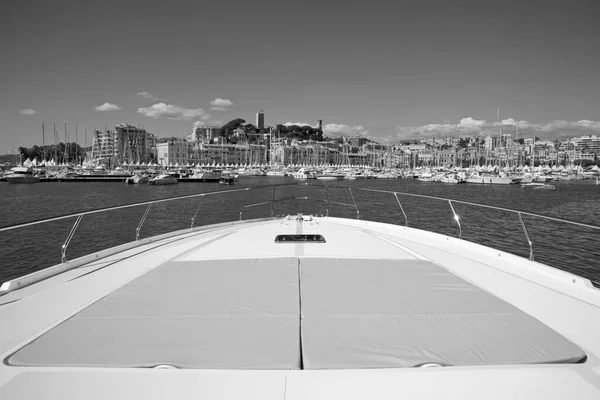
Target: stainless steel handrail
(66, 244)
(274, 200)
(402, 209)
(483, 205)
(137, 231)
(99, 210)
(457, 218)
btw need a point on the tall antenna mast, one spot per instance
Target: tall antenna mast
(55, 147)
(66, 156)
(498, 122)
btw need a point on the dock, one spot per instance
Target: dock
(116, 178)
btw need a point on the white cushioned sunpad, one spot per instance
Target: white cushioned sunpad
(404, 313)
(245, 314)
(224, 314)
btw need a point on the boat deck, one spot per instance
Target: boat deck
(372, 296)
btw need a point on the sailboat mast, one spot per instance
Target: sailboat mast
(76, 152)
(66, 156)
(55, 148)
(43, 142)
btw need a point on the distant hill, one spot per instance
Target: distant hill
(293, 131)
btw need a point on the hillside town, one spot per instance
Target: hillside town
(239, 143)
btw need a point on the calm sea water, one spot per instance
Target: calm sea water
(574, 249)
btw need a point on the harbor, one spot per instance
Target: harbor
(243, 149)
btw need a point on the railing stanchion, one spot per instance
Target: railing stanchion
(326, 202)
(402, 208)
(66, 244)
(456, 219)
(354, 202)
(197, 211)
(273, 201)
(139, 228)
(527, 237)
(245, 199)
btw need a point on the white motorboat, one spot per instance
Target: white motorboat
(137, 179)
(537, 186)
(425, 177)
(276, 172)
(303, 173)
(163, 179)
(451, 178)
(493, 179)
(299, 307)
(22, 175)
(227, 178)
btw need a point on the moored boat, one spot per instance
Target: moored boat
(137, 179)
(227, 178)
(538, 186)
(163, 179)
(22, 175)
(493, 179)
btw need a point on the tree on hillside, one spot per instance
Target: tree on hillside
(60, 153)
(233, 124)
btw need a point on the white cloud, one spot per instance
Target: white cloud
(509, 121)
(206, 116)
(471, 122)
(29, 111)
(148, 95)
(202, 124)
(221, 103)
(345, 130)
(108, 107)
(297, 123)
(219, 108)
(171, 111)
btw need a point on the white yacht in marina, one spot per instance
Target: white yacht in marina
(163, 179)
(299, 307)
(501, 179)
(22, 175)
(303, 173)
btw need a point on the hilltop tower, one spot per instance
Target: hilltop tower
(260, 120)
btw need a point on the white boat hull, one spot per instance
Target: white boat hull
(22, 179)
(371, 311)
(493, 180)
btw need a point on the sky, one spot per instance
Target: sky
(386, 70)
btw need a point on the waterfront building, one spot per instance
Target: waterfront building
(172, 152)
(446, 157)
(294, 152)
(241, 153)
(588, 143)
(125, 143)
(102, 145)
(205, 133)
